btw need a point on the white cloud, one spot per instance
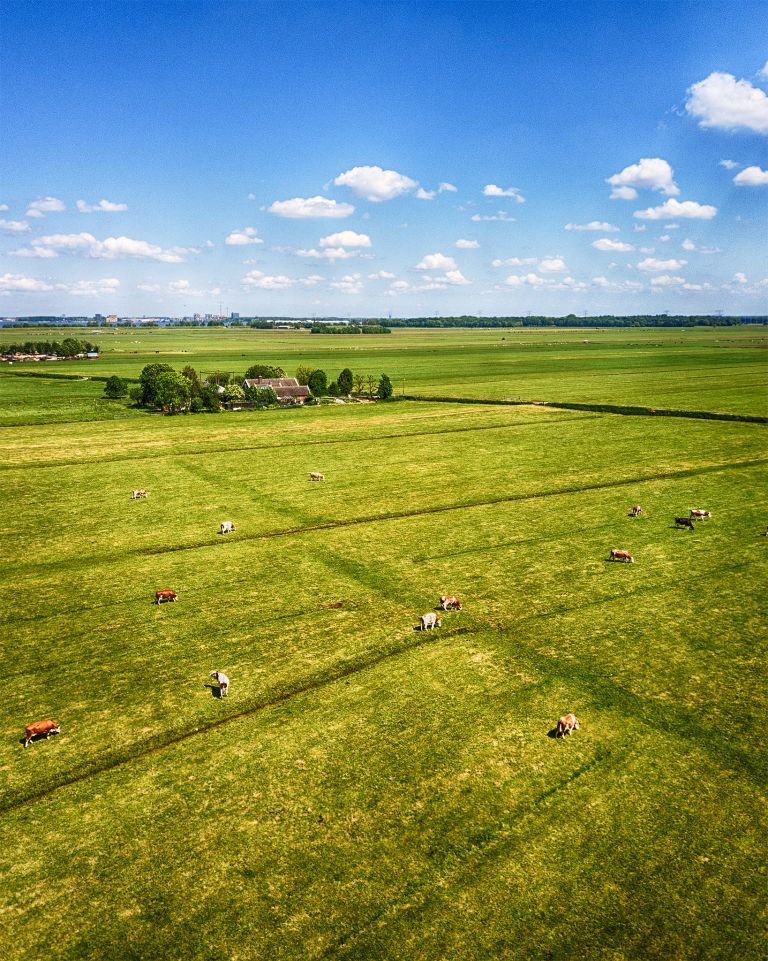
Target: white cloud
(751, 177)
(327, 253)
(300, 208)
(491, 190)
(466, 244)
(740, 277)
(723, 102)
(605, 243)
(515, 262)
(349, 284)
(45, 205)
(255, 278)
(674, 208)
(251, 196)
(3, 207)
(666, 281)
(91, 288)
(648, 250)
(651, 173)
(456, 277)
(594, 225)
(623, 193)
(688, 245)
(148, 288)
(640, 228)
(14, 226)
(499, 215)
(728, 164)
(553, 265)
(653, 264)
(381, 275)
(240, 238)
(346, 238)
(422, 194)
(111, 248)
(447, 187)
(103, 206)
(763, 72)
(15, 283)
(375, 184)
(436, 262)
(522, 280)
(399, 286)
(665, 238)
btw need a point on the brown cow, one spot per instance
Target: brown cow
(316, 475)
(699, 515)
(567, 724)
(47, 727)
(165, 596)
(448, 601)
(622, 556)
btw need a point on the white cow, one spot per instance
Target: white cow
(316, 475)
(226, 527)
(139, 492)
(223, 682)
(698, 515)
(430, 621)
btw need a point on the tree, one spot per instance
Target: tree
(219, 378)
(210, 398)
(345, 381)
(359, 383)
(263, 370)
(318, 383)
(148, 380)
(371, 382)
(385, 387)
(333, 389)
(172, 391)
(261, 396)
(115, 387)
(233, 392)
(303, 373)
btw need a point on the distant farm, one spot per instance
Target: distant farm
(427, 679)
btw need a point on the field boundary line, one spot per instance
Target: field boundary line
(625, 410)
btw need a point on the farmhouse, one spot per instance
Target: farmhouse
(287, 389)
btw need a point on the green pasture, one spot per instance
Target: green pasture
(711, 369)
(368, 791)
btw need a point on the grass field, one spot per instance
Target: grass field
(368, 791)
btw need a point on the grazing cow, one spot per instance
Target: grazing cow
(161, 596)
(622, 556)
(40, 727)
(636, 511)
(684, 522)
(429, 621)
(448, 601)
(139, 492)
(316, 475)
(226, 527)
(698, 515)
(567, 724)
(223, 682)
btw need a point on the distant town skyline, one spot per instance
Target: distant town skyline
(363, 159)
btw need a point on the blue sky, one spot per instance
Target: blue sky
(365, 158)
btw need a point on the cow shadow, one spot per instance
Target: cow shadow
(38, 737)
(215, 690)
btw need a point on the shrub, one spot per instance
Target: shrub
(115, 387)
(385, 387)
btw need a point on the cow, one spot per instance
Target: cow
(161, 596)
(139, 492)
(636, 511)
(430, 621)
(47, 727)
(222, 680)
(226, 527)
(567, 724)
(448, 601)
(622, 556)
(684, 522)
(316, 475)
(698, 515)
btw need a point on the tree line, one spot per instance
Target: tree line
(69, 347)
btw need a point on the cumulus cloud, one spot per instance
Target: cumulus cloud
(763, 72)
(552, 265)
(447, 187)
(346, 238)
(725, 103)
(728, 164)
(111, 248)
(436, 262)
(90, 288)
(651, 173)
(499, 215)
(255, 278)
(14, 226)
(623, 193)
(751, 177)
(15, 283)
(491, 190)
(349, 284)
(327, 253)
(515, 262)
(381, 275)
(375, 184)
(456, 277)
(422, 194)
(466, 244)
(240, 238)
(594, 225)
(740, 277)
(45, 205)
(605, 243)
(301, 208)
(674, 208)
(654, 264)
(666, 281)
(3, 207)
(523, 280)
(103, 206)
